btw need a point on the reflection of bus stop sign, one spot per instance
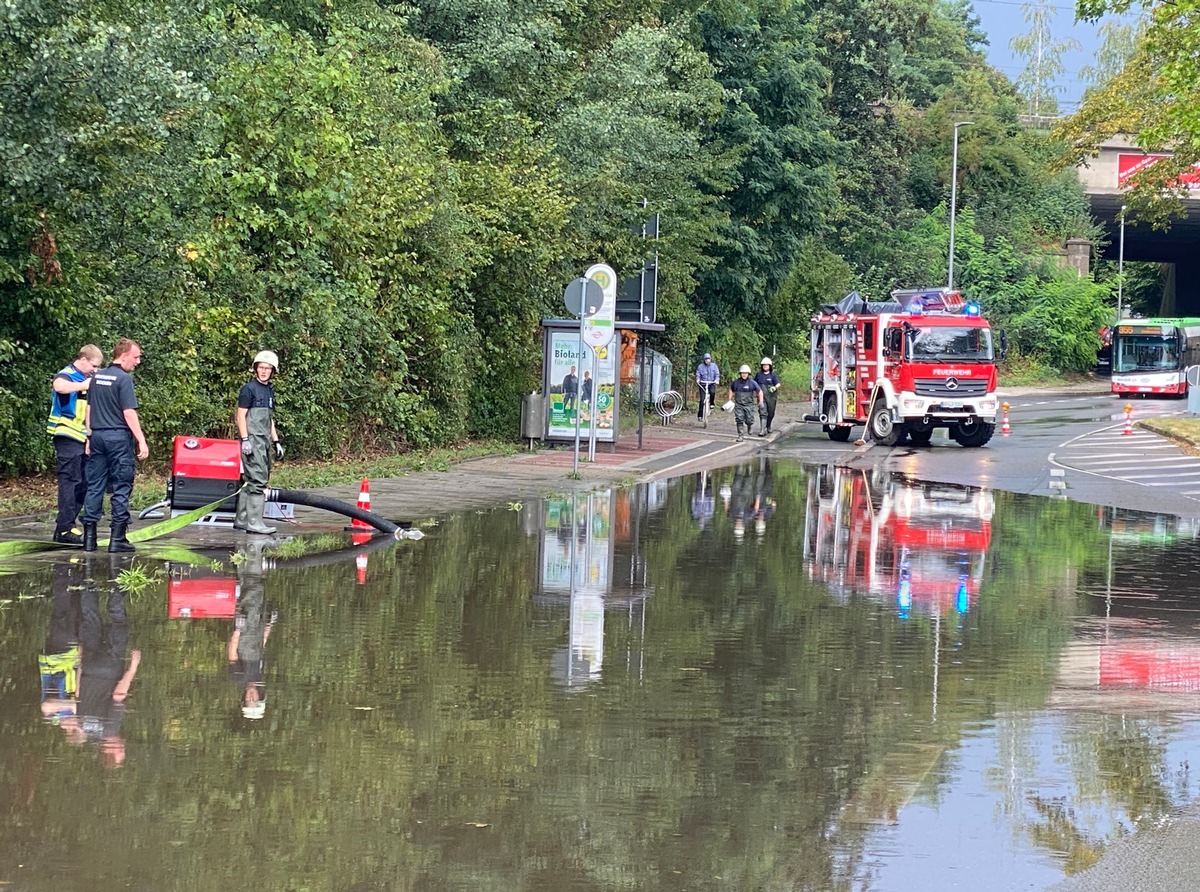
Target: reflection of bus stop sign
(598, 329)
(583, 297)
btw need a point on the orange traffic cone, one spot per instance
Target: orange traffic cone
(1005, 430)
(1128, 420)
(364, 504)
(360, 565)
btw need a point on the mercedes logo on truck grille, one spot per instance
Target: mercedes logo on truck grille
(952, 384)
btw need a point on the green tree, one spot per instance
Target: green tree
(1043, 54)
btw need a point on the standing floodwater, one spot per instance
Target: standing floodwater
(772, 676)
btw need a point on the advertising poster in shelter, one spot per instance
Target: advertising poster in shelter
(571, 389)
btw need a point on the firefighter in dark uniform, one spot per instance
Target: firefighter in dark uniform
(112, 426)
(68, 406)
(746, 396)
(770, 383)
(260, 442)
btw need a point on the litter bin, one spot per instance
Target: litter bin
(533, 416)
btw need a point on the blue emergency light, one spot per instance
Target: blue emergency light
(972, 309)
(916, 308)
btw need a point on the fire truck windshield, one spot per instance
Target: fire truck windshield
(928, 343)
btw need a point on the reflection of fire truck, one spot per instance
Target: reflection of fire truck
(904, 367)
(922, 545)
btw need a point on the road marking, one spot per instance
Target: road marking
(1146, 459)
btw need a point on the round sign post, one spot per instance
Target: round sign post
(598, 331)
(583, 297)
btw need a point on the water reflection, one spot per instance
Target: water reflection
(87, 667)
(252, 625)
(921, 546)
(772, 676)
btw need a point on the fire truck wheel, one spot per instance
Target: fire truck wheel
(974, 433)
(880, 426)
(838, 434)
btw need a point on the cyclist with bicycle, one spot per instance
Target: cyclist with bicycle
(707, 377)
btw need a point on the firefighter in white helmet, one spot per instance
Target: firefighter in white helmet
(769, 382)
(260, 442)
(746, 395)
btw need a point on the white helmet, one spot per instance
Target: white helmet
(744, 369)
(766, 360)
(267, 356)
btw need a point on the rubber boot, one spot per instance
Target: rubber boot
(739, 430)
(89, 537)
(255, 503)
(118, 542)
(762, 428)
(240, 518)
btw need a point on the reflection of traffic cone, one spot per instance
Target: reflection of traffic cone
(1005, 430)
(364, 504)
(360, 564)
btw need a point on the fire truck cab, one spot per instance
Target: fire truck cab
(904, 367)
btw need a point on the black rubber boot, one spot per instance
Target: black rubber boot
(89, 537)
(118, 542)
(66, 537)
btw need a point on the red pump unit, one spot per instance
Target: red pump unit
(202, 471)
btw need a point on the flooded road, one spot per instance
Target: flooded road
(772, 676)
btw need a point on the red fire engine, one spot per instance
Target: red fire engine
(904, 367)
(921, 546)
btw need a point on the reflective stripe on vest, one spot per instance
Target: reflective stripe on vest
(67, 409)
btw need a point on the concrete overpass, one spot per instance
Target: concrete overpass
(1103, 178)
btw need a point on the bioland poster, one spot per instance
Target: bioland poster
(573, 391)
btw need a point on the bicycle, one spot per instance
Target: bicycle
(706, 392)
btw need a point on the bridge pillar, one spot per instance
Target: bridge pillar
(1079, 255)
(1185, 285)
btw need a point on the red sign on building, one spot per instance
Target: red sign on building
(1129, 165)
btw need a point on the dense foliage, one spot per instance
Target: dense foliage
(391, 195)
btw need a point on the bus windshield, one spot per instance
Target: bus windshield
(957, 344)
(1145, 353)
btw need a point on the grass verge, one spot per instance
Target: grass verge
(1185, 431)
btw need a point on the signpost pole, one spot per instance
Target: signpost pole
(641, 387)
(592, 406)
(583, 298)
(575, 463)
(599, 334)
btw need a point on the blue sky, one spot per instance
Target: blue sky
(1002, 20)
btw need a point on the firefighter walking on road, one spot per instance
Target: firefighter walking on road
(260, 442)
(746, 396)
(770, 383)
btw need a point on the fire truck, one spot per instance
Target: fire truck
(920, 546)
(904, 367)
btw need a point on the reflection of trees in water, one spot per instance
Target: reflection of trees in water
(415, 737)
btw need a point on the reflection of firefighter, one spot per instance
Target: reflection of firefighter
(251, 629)
(741, 500)
(764, 497)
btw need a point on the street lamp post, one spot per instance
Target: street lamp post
(1121, 265)
(954, 200)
